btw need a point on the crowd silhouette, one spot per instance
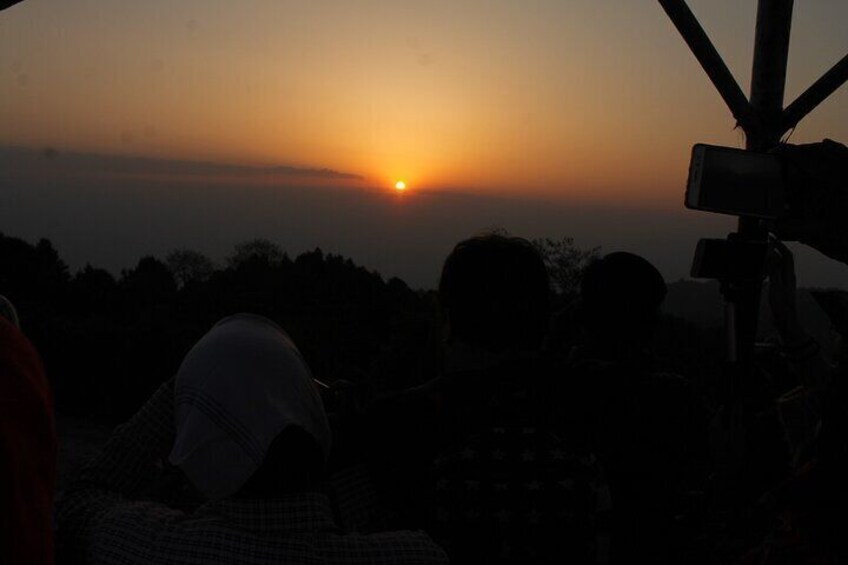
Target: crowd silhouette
(499, 441)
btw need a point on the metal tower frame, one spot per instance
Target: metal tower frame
(764, 119)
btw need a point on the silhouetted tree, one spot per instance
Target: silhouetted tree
(565, 262)
(27, 270)
(256, 250)
(50, 266)
(151, 276)
(150, 285)
(34, 278)
(94, 290)
(189, 266)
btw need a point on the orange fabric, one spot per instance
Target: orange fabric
(27, 453)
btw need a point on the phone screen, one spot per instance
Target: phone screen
(734, 181)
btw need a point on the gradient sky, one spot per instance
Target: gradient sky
(582, 102)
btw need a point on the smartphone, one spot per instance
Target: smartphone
(735, 181)
(722, 259)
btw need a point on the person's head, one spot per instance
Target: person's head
(495, 293)
(249, 419)
(620, 299)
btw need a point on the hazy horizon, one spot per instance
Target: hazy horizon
(110, 211)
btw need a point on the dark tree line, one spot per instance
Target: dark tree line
(108, 341)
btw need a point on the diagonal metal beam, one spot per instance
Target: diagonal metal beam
(8, 3)
(704, 50)
(816, 94)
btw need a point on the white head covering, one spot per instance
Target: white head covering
(241, 385)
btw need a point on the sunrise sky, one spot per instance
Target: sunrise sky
(580, 103)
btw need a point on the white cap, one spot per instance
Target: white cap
(241, 385)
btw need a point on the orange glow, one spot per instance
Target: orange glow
(398, 91)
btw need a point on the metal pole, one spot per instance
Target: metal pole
(768, 81)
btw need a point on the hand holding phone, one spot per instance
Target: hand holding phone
(818, 176)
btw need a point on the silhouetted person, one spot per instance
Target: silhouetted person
(244, 423)
(808, 513)
(495, 295)
(476, 455)
(620, 299)
(811, 507)
(648, 429)
(27, 449)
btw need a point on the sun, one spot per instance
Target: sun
(400, 185)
